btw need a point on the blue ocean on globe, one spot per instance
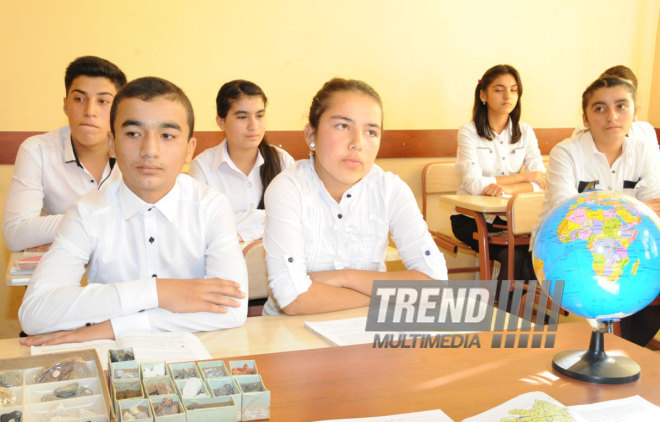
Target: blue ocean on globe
(606, 247)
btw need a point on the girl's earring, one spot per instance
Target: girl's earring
(483, 102)
(312, 145)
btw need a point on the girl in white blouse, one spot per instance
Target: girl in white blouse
(243, 164)
(328, 218)
(493, 150)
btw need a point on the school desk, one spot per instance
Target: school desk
(476, 206)
(311, 380)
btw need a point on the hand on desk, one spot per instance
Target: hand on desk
(198, 294)
(537, 177)
(98, 331)
(495, 190)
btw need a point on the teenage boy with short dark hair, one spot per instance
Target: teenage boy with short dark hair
(54, 169)
(161, 249)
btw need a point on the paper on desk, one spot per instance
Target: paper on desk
(633, 408)
(168, 347)
(426, 416)
(529, 406)
(343, 332)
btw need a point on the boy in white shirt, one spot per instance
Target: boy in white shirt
(54, 169)
(161, 249)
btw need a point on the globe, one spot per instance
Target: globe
(606, 248)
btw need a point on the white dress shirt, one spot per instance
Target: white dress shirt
(216, 168)
(308, 231)
(577, 165)
(125, 243)
(479, 161)
(47, 178)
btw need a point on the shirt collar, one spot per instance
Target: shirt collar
(70, 155)
(591, 145)
(355, 189)
(131, 204)
(223, 157)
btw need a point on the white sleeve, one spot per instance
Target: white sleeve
(284, 241)
(649, 186)
(23, 225)
(467, 163)
(533, 158)
(411, 235)
(561, 180)
(55, 300)
(224, 259)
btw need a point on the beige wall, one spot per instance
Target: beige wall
(423, 56)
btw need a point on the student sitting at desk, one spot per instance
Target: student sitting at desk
(605, 158)
(492, 151)
(328, 218)
(54, 169)
(643, 131)
(244, 164)
(159, 249)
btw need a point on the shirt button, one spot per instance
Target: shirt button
(427, 253)
(290, 259)
(348, 195)
(249, 185)
(251, 206)
(613, 171)
(91, 181)
(502, 173)
(149, 209)
(151, 239)
(339, 216)
(154, 275)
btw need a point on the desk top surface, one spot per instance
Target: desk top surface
(308, 378)
(479, 203)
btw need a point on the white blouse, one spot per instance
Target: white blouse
(308, 231)
(479, 161)
(215, 168)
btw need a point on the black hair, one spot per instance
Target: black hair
(228, 94)
(94, 67)
(148, 88)
(480, 110)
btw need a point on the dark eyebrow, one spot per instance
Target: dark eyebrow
(597, 103)
(348, 119)
(504, 86)
(132, 123)
(80, 91)
(246, 112)
(164, 125)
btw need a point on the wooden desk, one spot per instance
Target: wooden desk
(311, 384)
(476, 206)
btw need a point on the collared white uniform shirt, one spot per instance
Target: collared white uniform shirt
(479, 161)
(126, 243)
(216, 168)
(308, 231)
(576, 165)
(47, 178)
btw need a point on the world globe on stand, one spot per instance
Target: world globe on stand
(606, 248)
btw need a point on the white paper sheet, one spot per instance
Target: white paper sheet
(536, 404)
(148, 347)
(426, 416)
(633, 408)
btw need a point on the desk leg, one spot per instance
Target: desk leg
(482, 234)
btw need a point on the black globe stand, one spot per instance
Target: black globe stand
(595, 365)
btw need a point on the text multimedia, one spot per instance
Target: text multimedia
(426, 341)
